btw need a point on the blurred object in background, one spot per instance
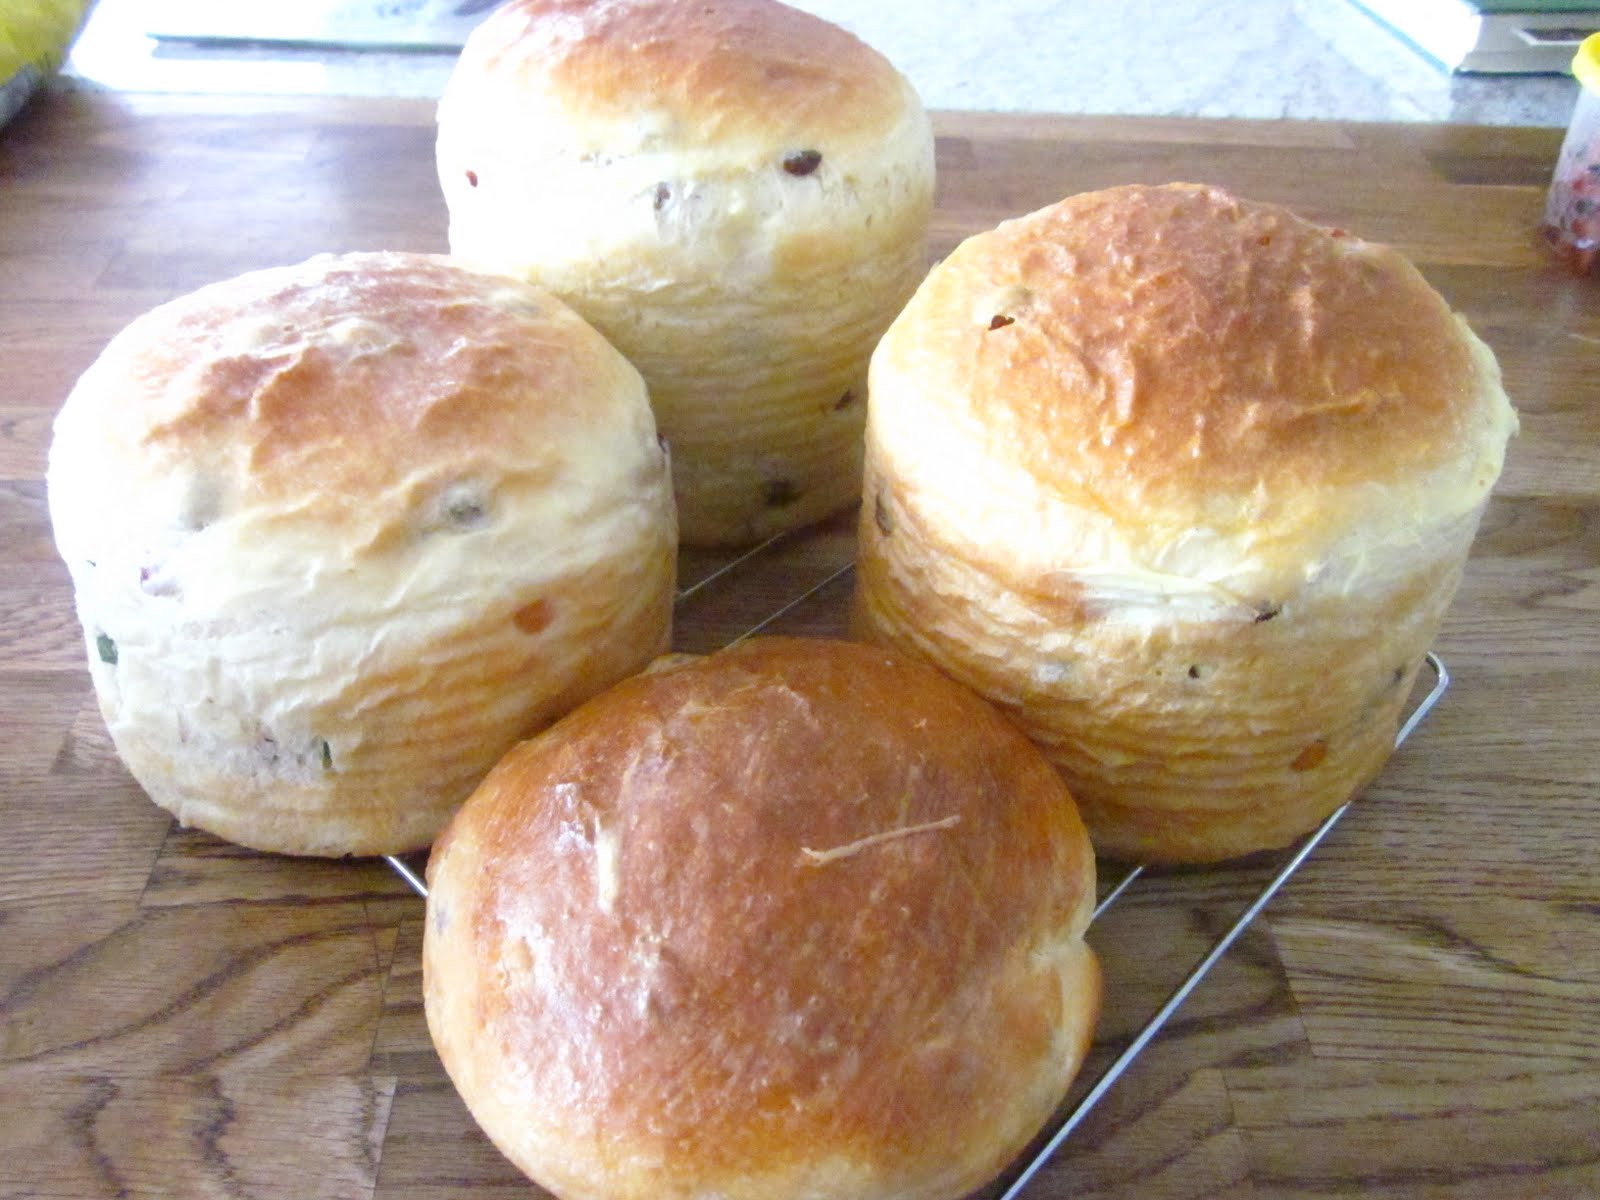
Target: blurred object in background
(1503, 37)
(34, 38)
(423, 26)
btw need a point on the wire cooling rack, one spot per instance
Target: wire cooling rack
(1290, 861)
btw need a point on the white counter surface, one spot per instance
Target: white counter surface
(1311, 59)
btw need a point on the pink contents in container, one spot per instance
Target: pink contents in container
(1572, 213)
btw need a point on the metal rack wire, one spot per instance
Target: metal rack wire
(1152, 1028)
(1292, 860)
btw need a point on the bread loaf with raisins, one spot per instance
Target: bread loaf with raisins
(736, 193)
(341, 532)
(1185, 483)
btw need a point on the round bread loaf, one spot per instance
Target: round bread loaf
(735, 193)
(803, 918)
(1185, 484)
(342, 532)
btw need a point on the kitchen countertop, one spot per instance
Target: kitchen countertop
(1299, 59)
(1416, 1015)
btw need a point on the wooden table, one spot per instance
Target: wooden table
(1418, 1014)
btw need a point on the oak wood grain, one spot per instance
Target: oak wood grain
(193, 1135)
(1416, 1015)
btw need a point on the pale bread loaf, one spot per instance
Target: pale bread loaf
(736, 193)
(341, 532)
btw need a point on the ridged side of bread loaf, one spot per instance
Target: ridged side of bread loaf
(1189, 734)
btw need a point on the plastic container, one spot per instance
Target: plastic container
(1572, 213)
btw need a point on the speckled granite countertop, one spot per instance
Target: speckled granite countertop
(1310, 59)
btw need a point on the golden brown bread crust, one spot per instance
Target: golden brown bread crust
(312, 374)
(1185, 483)
(1236, 342)
(1204, 362)
(719, 71)
(735, 193)
(802, 918)
(341, 532)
